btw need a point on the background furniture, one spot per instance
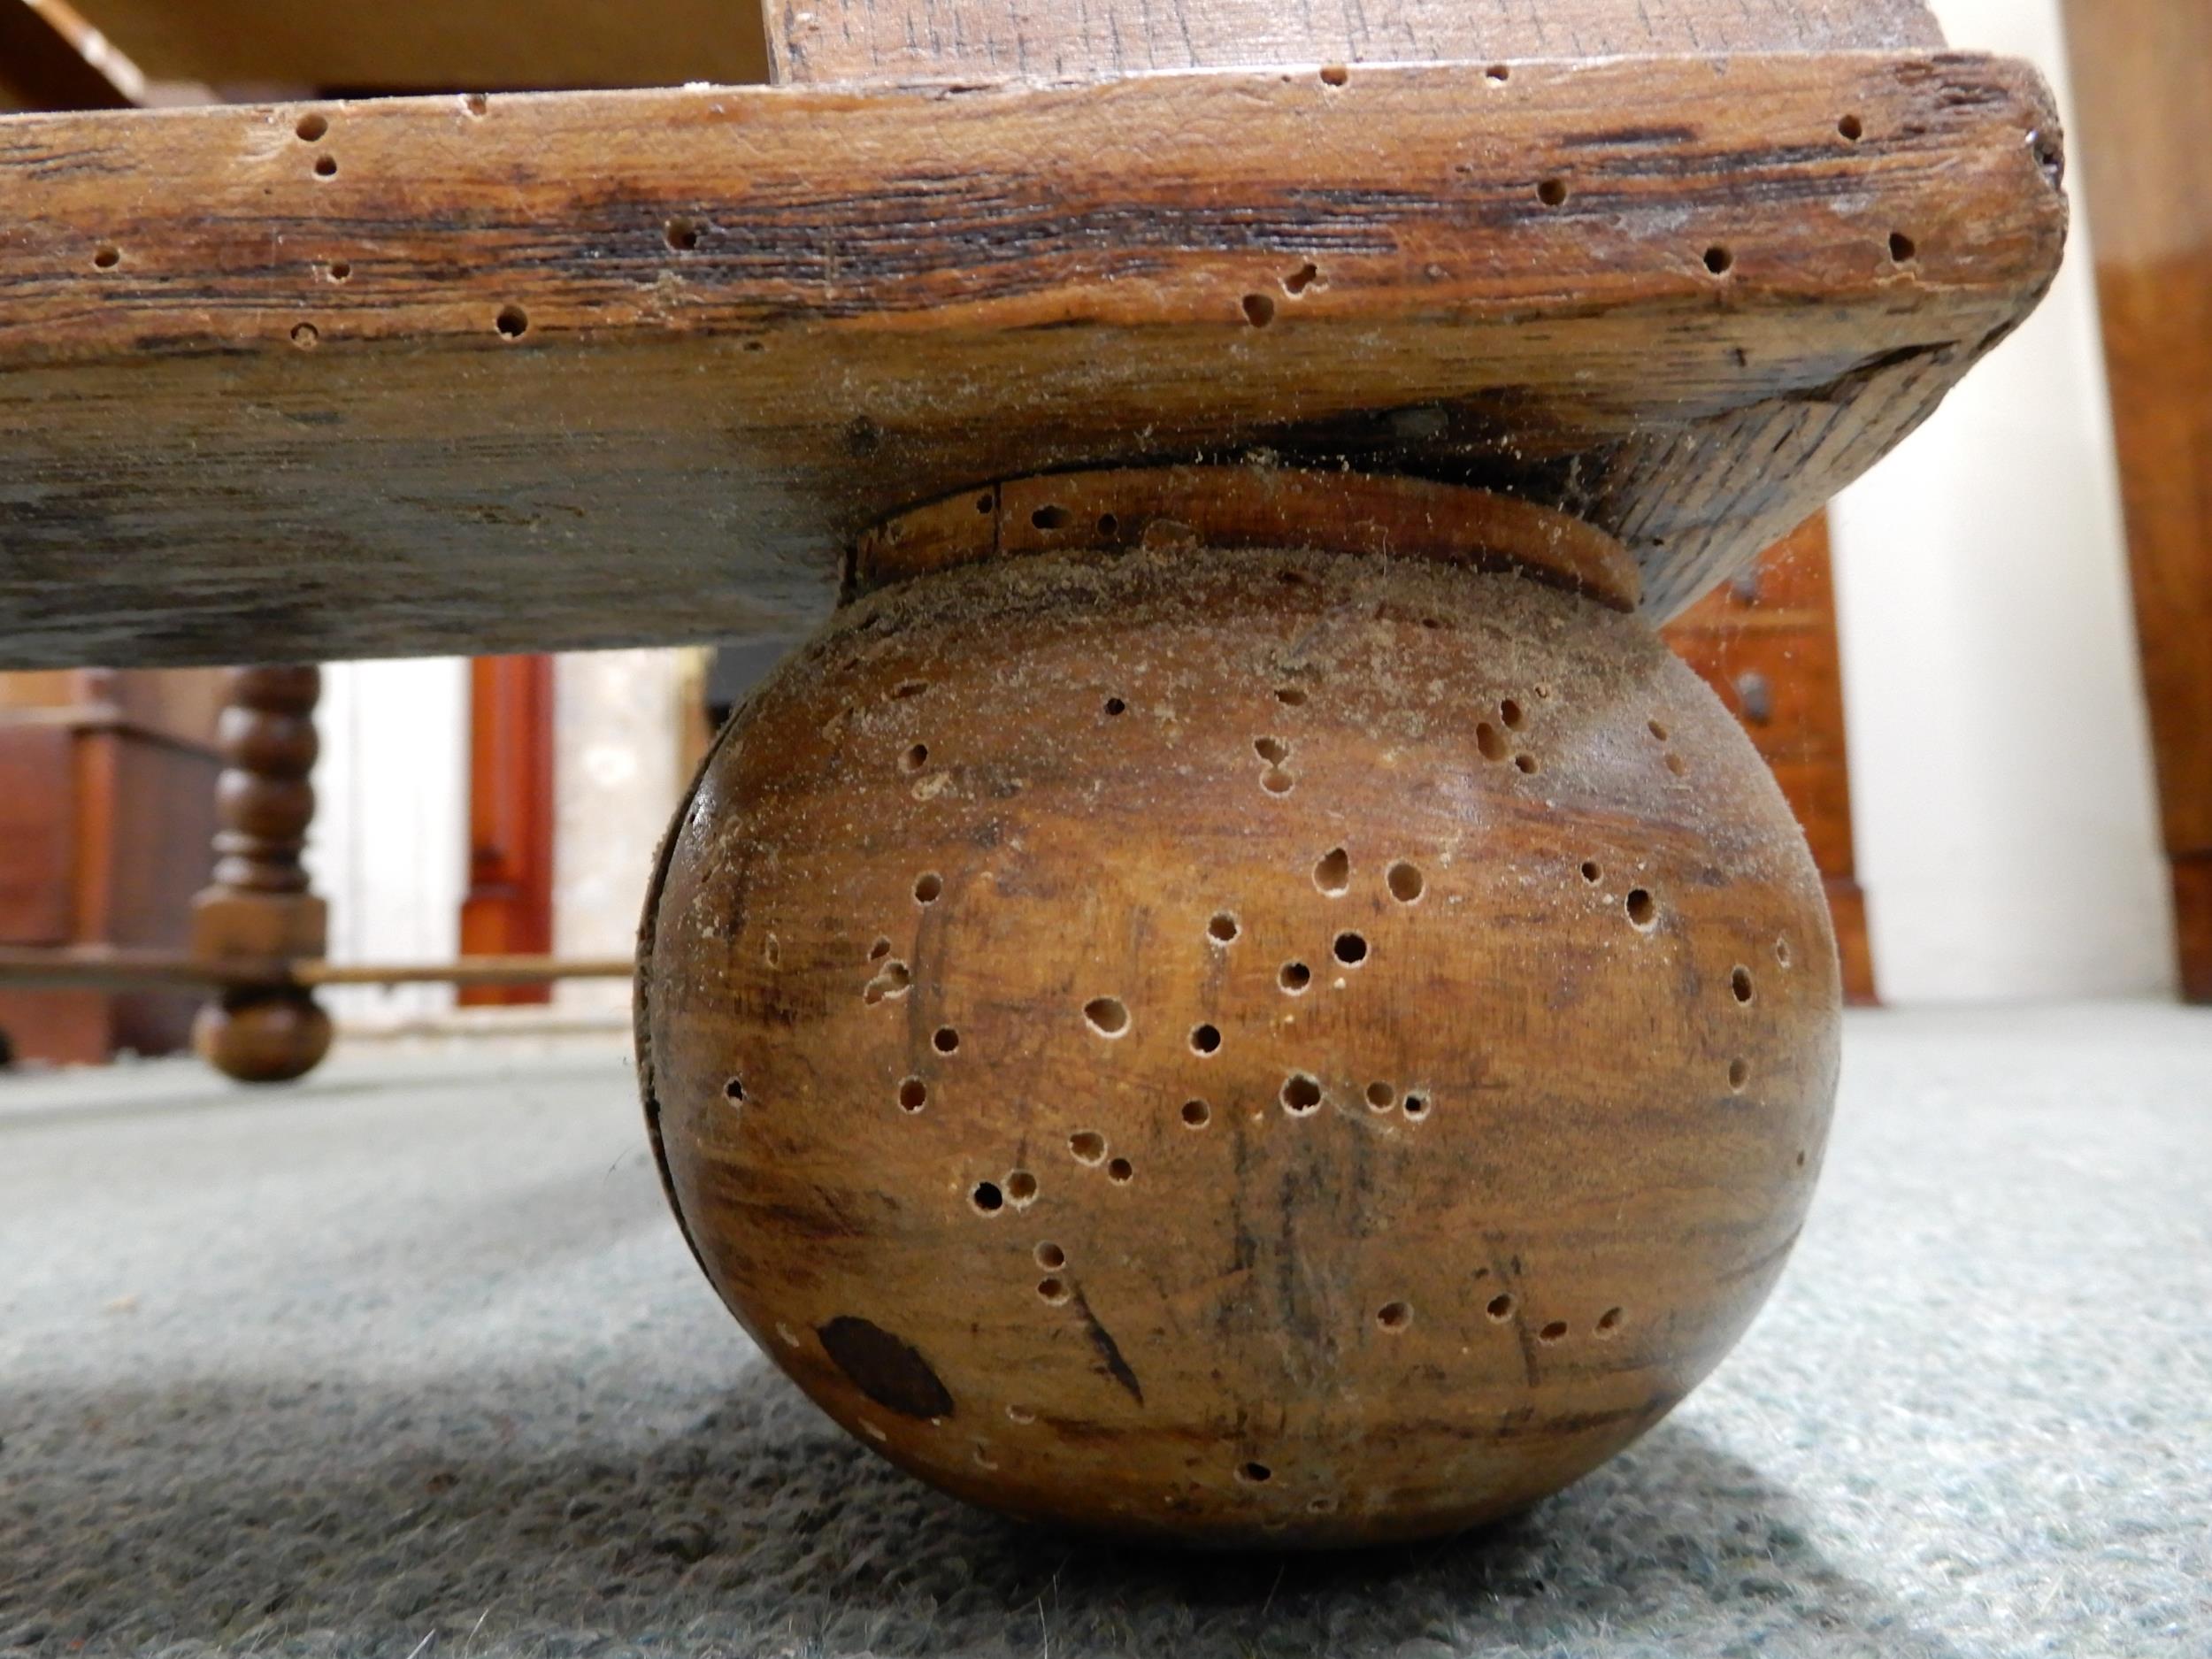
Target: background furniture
(509, 909)
(2141, 66)
(107, 801)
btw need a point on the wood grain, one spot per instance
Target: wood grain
(2139, 75)
(1281, 1047)
(827, 41)
(449, 398)
(1205, 509)
(1766, 642)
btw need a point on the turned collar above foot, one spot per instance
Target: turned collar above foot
(1218, 508)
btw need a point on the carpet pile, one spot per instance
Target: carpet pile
(411, 1361)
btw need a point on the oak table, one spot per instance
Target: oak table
(1233, 989)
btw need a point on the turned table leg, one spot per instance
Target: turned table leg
(258, 907)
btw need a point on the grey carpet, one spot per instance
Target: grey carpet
(410, 1362)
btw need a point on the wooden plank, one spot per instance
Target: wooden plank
(820, 41)
(2139, 77)
(448, 398)
(440, 45)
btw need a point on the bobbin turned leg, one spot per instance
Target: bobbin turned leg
(1251, 1006)
(258, 908)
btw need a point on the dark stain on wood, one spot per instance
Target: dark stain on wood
(889, 1371)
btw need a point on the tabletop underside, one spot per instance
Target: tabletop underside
(558, 371)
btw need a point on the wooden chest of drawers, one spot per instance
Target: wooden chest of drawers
(107, 801)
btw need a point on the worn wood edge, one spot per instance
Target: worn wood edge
(202, 262)
(1654, 418)
(1234, 508)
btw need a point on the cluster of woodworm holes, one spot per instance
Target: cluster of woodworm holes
(1302, 1093)
(510, 322)
(1490, 741)
(681, 233)
(1553, 192)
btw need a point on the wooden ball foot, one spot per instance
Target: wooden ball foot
(1240, 1045)
(255, 1037)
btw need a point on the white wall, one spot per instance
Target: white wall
(618, 726)
(2003, 799)
(389, 846)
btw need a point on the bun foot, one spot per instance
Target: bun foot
(256, 1038)
(1247, 1046)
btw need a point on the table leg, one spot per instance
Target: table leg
(258, 905)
